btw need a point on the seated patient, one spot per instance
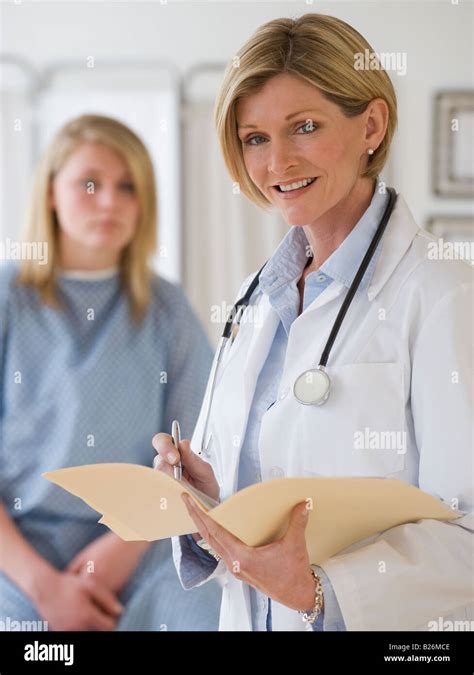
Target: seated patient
(96, 353)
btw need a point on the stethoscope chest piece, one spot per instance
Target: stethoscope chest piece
(312, 387)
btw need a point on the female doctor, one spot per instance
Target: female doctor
(300, 390)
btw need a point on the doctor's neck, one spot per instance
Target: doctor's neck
(327, 233)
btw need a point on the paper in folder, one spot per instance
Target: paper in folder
(140, 503)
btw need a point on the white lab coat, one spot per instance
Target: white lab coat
(402, 362)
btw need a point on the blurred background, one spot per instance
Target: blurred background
(156, 66)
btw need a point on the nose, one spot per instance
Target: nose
(280, 159)
(107, 197)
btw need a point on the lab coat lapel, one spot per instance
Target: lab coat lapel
(400, 232)
(242, 379)
(334, 290)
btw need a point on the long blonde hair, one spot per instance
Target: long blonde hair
(41, 224)
(320, 49)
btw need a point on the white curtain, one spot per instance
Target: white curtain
(225, 236)
(16, 143)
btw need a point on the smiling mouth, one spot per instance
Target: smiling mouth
(295, 186)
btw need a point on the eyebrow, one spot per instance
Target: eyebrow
(92, 170)
(288, 117)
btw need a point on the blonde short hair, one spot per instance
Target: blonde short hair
(41, 222)
(320, 49)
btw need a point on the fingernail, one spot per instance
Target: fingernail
(171, 457)
(119, 607)
(187, 500)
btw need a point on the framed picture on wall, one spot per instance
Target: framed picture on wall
(455, 236)
(453, 143)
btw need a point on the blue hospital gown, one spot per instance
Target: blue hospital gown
(79, 387)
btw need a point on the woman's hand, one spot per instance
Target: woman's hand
(112, 560)
(280, 570)
(196, 471)
(77, 602)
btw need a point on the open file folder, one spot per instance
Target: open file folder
(140, 503)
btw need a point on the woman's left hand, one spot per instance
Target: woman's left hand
(280, 570)
(110, 559)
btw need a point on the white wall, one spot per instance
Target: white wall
(437, 37)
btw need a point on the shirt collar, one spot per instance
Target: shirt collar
(88, 275)
(288, 261)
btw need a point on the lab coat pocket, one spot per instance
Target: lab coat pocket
(361, 429)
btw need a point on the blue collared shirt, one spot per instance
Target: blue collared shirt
(279, 282)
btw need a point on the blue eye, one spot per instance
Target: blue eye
(254, 138)
(308, 127)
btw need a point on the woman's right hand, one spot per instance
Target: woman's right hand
(196, 471)
(77, 602)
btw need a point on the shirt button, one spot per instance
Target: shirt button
(321, 277)
(263, 604)
(277, 472)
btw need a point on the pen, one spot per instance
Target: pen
(176, 438)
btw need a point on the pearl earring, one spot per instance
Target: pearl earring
(370, 151)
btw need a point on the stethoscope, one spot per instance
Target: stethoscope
(312, 387)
